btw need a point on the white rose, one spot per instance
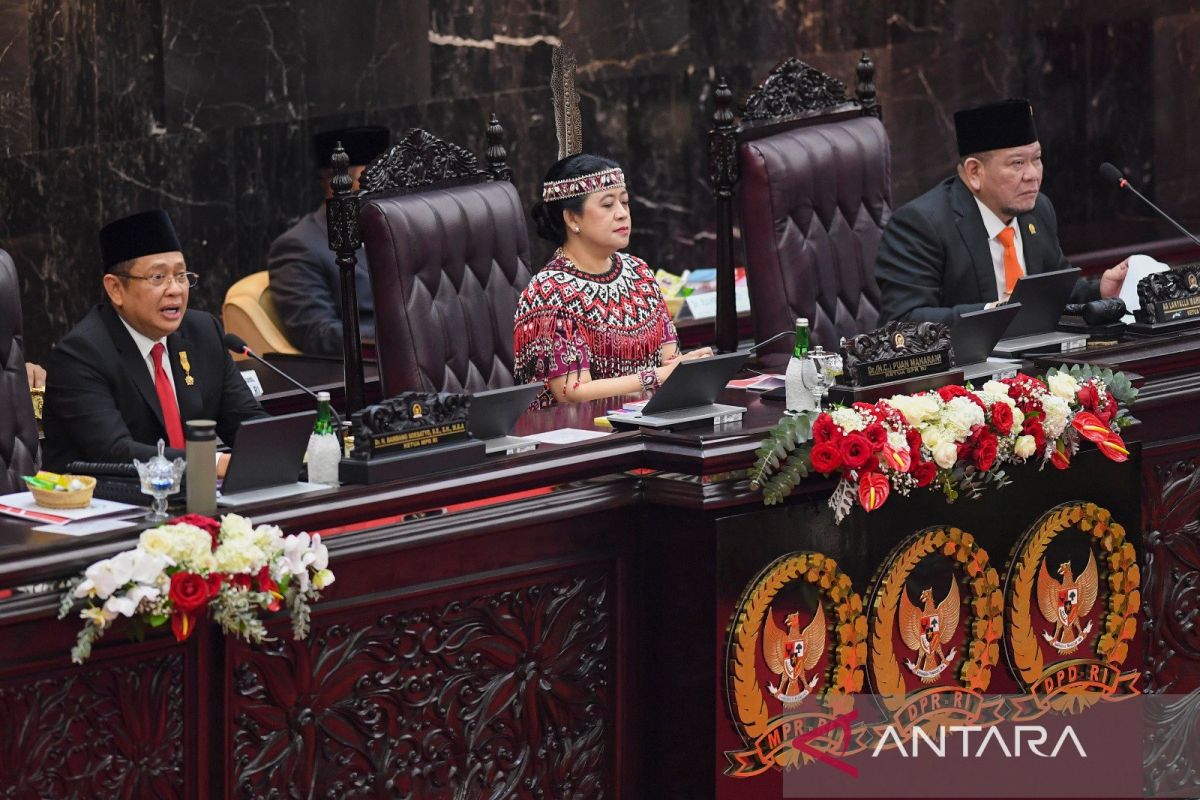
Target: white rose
(946, 455)
(1018, 419)
(962, 414)
(1024, 447)
(915, 408)
(933, 436)
(996, 388)
(1063, 385)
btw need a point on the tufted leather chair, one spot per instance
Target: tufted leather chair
(814, 202)
(447, 266)
(448, 255)
(18, 430)
(808, 170)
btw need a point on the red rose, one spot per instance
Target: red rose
(189, 591)
(825, 457)
(951, 391)
(1108, 409)
(825, 429)
(215, 579)
(877, 435)
(207, 524)
(924, 472)
(856, 450)
(913, 436)
(1088, 397)
(985, 452)
(1033, 427)
(1002, 418)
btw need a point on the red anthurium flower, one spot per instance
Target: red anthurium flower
(1090, 427)
(1059, 456)
(856, 450)
(1114, 448)
(182, 625)
(266, 584)
(898, 460)
(873, 490)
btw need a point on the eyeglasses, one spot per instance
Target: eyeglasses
(159, 279)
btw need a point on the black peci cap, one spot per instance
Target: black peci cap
(995, 126)
(362, 144)
(143, 234)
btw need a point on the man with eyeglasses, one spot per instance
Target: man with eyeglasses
(140, 365)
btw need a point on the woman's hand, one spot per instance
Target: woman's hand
(700, 352)
(671, 363)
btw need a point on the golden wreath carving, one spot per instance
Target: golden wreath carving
(986, 610)
(1118, 571)
(845, 673)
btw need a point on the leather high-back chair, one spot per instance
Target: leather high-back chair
(809, 169)
(18, 430)
(448, 254)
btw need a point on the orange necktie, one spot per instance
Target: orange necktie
(166, 398)
(1012, 267)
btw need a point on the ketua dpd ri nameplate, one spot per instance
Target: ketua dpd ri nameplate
(414, 433)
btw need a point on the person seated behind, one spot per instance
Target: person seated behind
(592, 322)
(140, 365)
(305, 281)
(962, 245)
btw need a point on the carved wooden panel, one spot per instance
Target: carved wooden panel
(419, 160)
(792, 88)
(506, 694)
(112, 730)
(1171, 579)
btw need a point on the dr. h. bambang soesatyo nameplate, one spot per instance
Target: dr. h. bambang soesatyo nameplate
(410, 434)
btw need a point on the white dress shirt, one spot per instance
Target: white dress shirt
(993, 225)
(144, 345)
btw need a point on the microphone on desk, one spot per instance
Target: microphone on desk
(237, 344)
(1112, 174)
(754, 348)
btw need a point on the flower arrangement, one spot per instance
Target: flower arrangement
(193, 565)
(955, 439)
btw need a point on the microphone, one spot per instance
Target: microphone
(237, 344)
(1113, 175)
(765, 342)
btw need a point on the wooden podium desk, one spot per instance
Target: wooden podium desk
(541, 619)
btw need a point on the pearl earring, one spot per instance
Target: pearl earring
(576, 229)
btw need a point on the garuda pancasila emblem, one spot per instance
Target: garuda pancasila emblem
(928, 629)
(791, 654)
(1065, 603)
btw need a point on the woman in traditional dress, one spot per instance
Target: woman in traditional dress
(593, 322)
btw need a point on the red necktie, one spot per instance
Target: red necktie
(166, 398)
(1012, 267)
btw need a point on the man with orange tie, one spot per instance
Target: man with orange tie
(962, 245)
(140, 365)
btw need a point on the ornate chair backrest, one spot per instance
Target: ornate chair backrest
(18, 429)
(809, 170)
(448, 254)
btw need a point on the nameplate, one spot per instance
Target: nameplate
(871, 373)
(1176, 309)
(418, 438)
(410, 422)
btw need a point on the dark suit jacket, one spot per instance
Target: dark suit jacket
(934, 262)
(100, 399)
(307, 290)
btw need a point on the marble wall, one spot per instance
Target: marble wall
(205, 108)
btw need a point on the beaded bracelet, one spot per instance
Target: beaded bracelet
(649, 379)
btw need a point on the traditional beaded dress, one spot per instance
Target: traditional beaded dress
(569, 320)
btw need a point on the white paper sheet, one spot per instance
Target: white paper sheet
(1139, 267)
(566, 436)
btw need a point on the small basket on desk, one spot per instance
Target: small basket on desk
(72, 498)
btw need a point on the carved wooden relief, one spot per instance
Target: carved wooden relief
(793, 87)
(111, 729)
(419, 159)
(1171, 580)
(499, 695)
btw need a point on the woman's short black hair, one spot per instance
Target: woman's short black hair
(549, 216)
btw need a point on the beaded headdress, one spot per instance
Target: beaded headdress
(566, 188)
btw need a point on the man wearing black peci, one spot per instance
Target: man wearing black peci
(141, 364)
(306, 284)
(962, 245)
